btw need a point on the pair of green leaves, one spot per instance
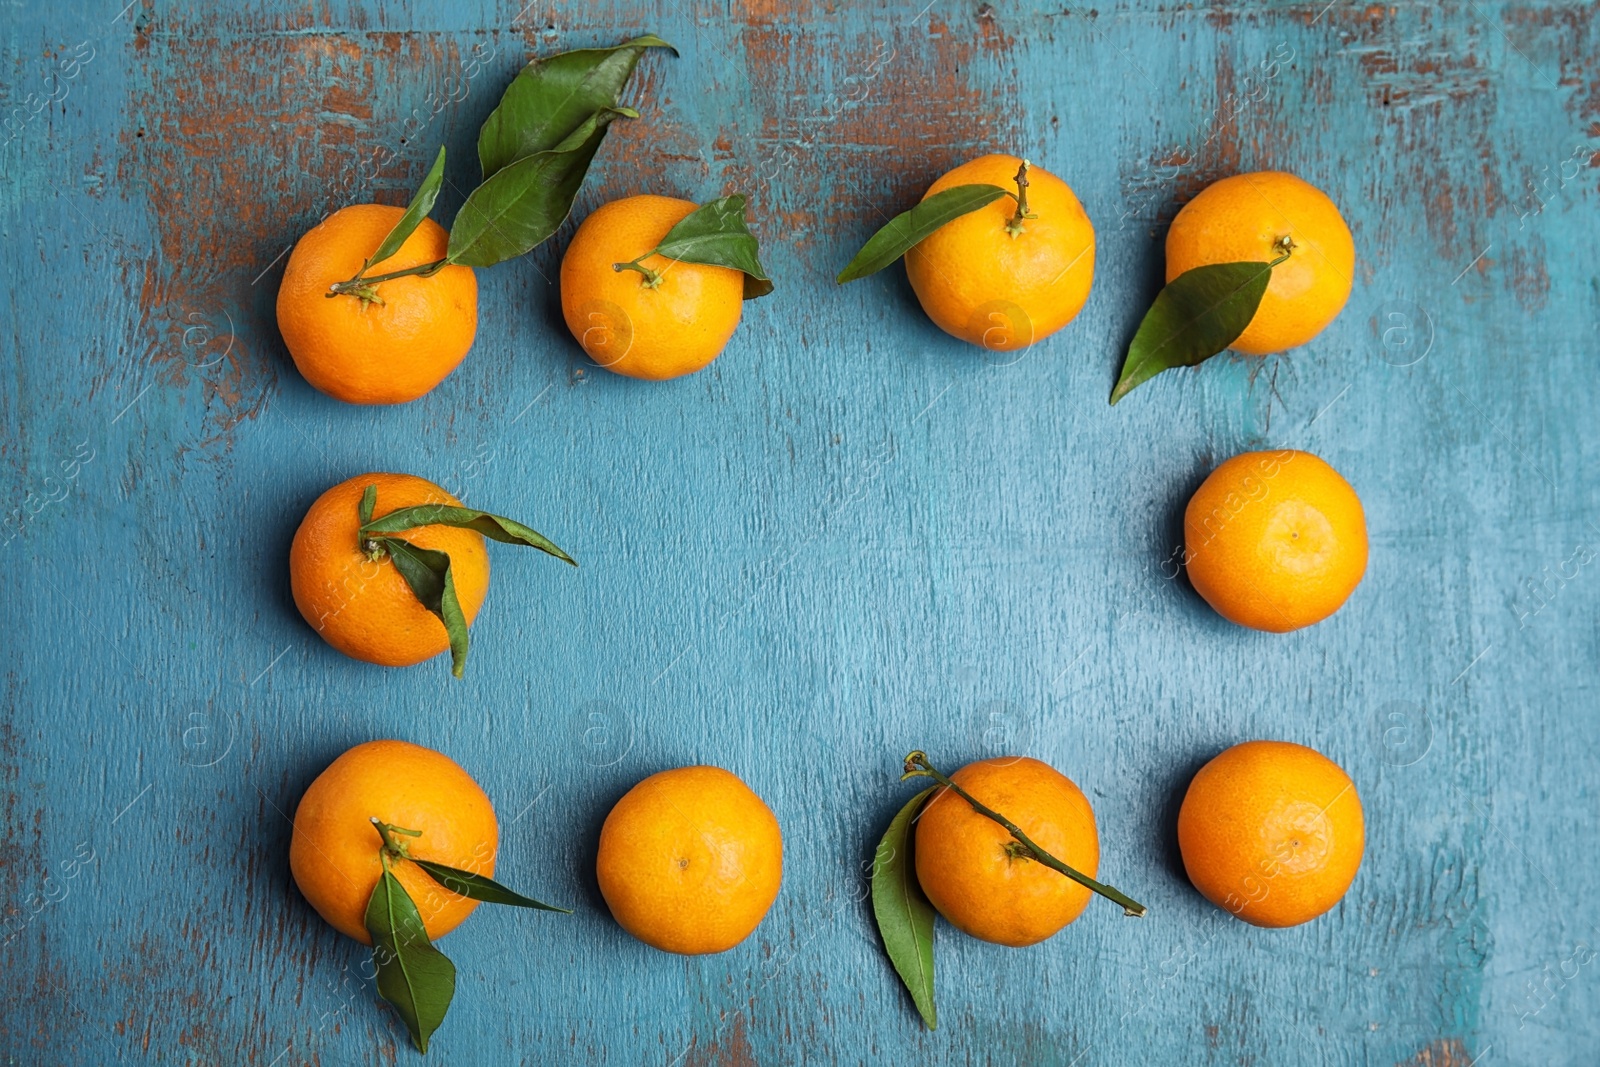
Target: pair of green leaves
(412, 975)
(906, 230)
(427, 570)
(535, 149)
(1196, 315)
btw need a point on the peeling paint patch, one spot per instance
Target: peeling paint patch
(731, 1048)
(1446, 1052)
(1172, 176)
(1402, 80)
(1427, 86)
(222, 151)
(905, 105)
(1530, 279)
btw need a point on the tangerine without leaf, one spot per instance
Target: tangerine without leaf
(386, 351)
(1272, 831)
(333, 851)
(690, 860)
(1002, 290)
(980, 878)
(1275, 540)
(1254, 218)
(362, 607)
(624, 322)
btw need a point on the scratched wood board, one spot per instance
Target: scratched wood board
(850, 537)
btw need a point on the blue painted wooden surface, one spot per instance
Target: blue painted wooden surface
(849, 537)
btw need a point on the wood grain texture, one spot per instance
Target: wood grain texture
(849, 537)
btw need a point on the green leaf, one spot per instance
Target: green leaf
(418, 210)
(716, 234)
(905, 918)
(905, 230)
(427, 572)
(522, 204)
(415, 977)
(369, 500)
(551, 98)
(477, 887)
(1198, 314)
(494, 527)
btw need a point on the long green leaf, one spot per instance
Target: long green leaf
(420, 205)
(369, 500)
(427, 572)
(477, 887)
(715, 234)
(495, 527)
(1198, 314)
(415, 977)
(905, 918)
(553, 97)
(522, 204)
(905, 230)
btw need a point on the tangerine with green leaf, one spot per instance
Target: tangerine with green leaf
(1262, 217)
(1013, 876)
(363, 606)
(999, 252)
(980, 877)
(388, 342)
(653, 287)
(394, 845)
(392, 569)
(1257, 263)
(334, 850)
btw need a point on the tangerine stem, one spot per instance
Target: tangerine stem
(361, 285)
(390, 845)
(652, 278)
(917, 766)
(1014, 227)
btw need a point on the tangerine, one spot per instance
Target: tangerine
(998, 280)
(334, 848)
(1275, 540)
(1260, 217)
(690, 860)
(1272, 831)
(982, 879)
(363, 607)
(397, 344)
(667, 319)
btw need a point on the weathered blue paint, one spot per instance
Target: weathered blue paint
(850, 537)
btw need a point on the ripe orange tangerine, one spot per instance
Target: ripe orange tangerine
(1272, 831)
(333, 851)
(363, 607)
(386, 350)
(980, 878)
(1002, 283)
(1275, 540)
(690, 860)
(1258, 218)
(668, 322)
